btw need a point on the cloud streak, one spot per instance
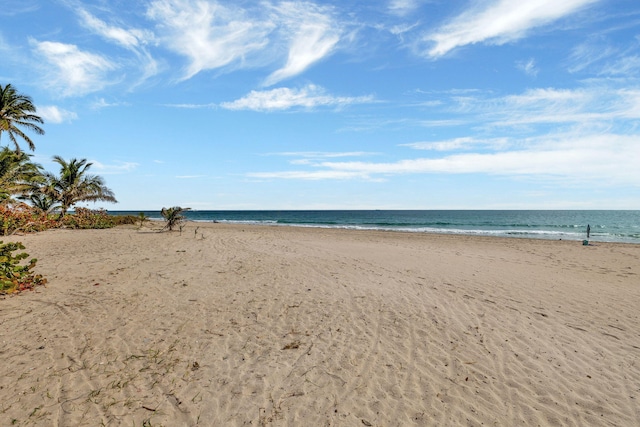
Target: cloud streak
(312, 35)
(129, 39)
(585, 160)
(498, 22)
(278, 99)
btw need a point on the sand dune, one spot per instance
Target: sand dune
(233, 325)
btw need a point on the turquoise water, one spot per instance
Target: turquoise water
(606, 226)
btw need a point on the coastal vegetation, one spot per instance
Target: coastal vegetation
(174, 217)
(32, 199)
(74, 185)
(15, 277)
(17, 111)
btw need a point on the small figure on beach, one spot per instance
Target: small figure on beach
(588, 230)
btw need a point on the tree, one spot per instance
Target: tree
(74, 185)
(173, 216)
(17, 110)
(43, 202)
(18, 174)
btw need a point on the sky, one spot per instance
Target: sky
(336, 104)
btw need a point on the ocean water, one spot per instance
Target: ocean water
(606, 225)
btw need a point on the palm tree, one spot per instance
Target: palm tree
(74, 185)
(18, 174)
(43, 202)
(17, 110)
(173, 216)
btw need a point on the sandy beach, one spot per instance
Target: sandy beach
(231, 325)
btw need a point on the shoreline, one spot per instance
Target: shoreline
(234, 324)
(607, 225)
(592, 241)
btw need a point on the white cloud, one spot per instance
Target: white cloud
(191, 106)
(499, 22)
(117, 168)
(590, 105)
(323, 154)
(589, 53)
(134, 40)
(628, 66)
(212, 35)
(129, 39)
(102, 103)
(17, 7)
(285, 98)
(313, 36)
(456, 144)
(529, 67)
(403, 7)
(309, 175)
(598, 103)
(209, 34)
(71, 71)
(53, 114)
(572, 159)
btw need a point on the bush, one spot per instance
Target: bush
(125, 219)
(84, 218)
(13, 276)
(174, 217)
(25, 218)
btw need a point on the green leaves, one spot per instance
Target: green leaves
(16, 111)
(173, 216)
(14, 276)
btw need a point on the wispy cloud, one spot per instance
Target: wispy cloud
(192, 106)
(458, 144)
(53, 114)
(217, 36)
(529, 67)
(310, 96)
(322, 154)
(403, 7)
(498, 22)
(584, 137)
(129, 39)
(113, 169)
(102, 103)
(16, 7)
(577, 160)
(589, 53)
(312, 34)
(133, 40)
(627, 66)
(309, 175)
(208, 33)
(590, 105)
(71, 71)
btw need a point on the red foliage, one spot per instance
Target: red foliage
(24, 218)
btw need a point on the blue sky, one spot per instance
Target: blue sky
(395, 104)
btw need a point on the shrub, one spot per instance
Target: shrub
(84, 218)
(174, 217)
(25, 218)
(15, 277)
(125, 219)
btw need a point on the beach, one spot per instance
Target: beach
(238, 325)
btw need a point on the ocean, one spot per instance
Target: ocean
(606, 225)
